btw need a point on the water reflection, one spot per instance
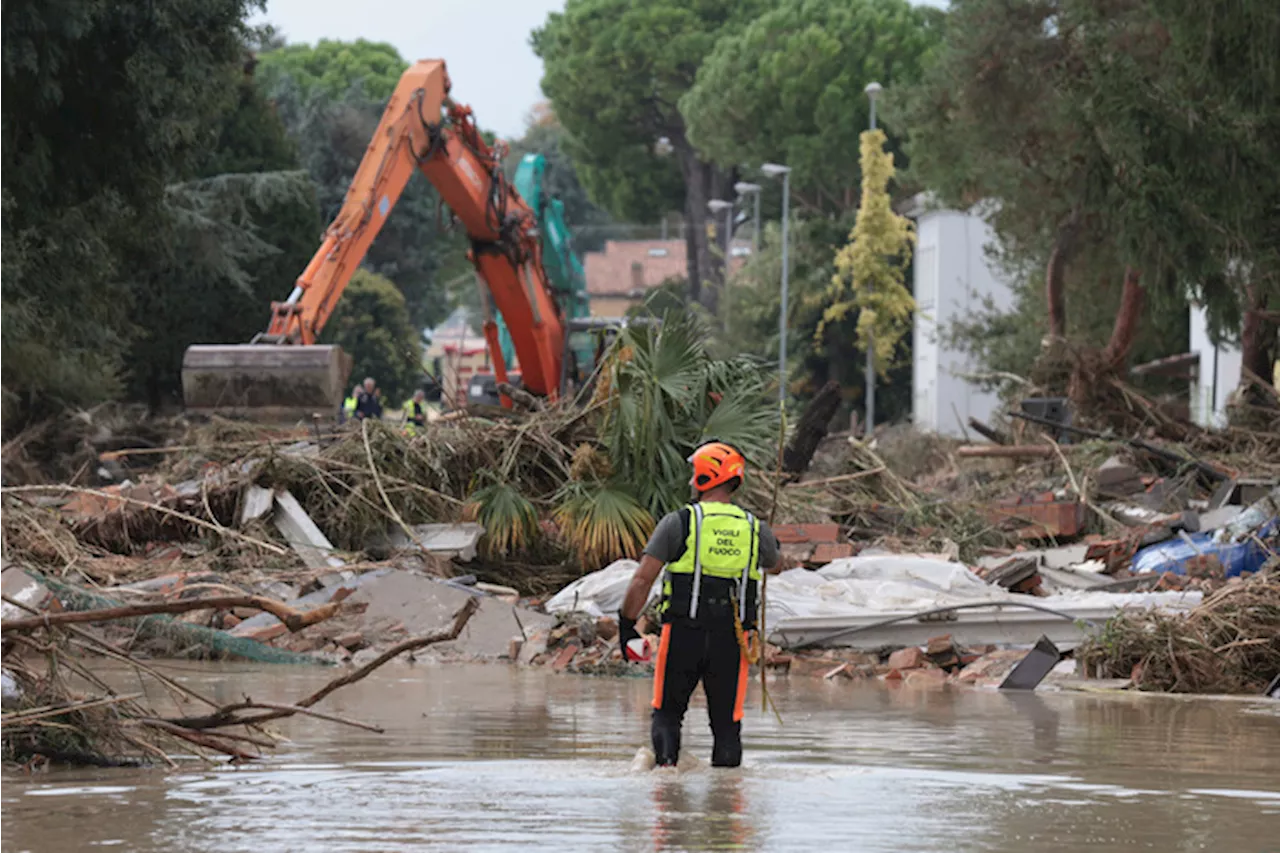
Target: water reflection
(490, 758)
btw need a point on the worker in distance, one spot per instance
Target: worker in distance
(712, 552)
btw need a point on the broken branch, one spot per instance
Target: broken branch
(843, 478)
(226, 716)
(1024, 451)
(294, 620)
(460, 620)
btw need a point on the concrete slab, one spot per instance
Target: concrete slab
(307, 540)
(1214, 519)
(257, 503)
(444, 540)
(1063, 557)
(22, 587)
(306, 602)
(423, 605)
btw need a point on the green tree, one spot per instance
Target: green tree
(105, 105)
(372, 324)
(233, 239)
(789, 89)
(1008, 113)
(871, 269)
(615, 71)
(206, 275)
(331, 68)
(664, 393)
(332, 133)
(813, 359)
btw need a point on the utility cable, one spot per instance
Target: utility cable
(856, 629)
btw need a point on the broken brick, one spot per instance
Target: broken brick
(351, 640)
(908, 658)
(925, 677)
(811, 666)
(797, 534)
(1042, 517)
(826, 552)
(841, 671)
(940, 645)
(564, 657)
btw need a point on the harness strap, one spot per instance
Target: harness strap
(697, 560)
(746, 570)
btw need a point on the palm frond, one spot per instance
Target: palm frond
(667, 395)
(601, 523)
(509, 519)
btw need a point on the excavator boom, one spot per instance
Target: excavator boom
(421, 130)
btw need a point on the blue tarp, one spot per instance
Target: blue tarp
(1236, 557)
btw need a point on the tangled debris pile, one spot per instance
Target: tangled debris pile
(334, 546)
(57, 709)
(1230, 643)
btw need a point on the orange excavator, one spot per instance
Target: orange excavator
(284, 374)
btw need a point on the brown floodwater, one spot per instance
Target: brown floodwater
(482, 758)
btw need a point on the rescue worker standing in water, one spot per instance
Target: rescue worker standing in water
(713, 552)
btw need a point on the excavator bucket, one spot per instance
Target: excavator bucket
(274, 383)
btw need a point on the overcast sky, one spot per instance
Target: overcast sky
(484, 42)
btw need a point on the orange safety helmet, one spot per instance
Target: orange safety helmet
(715, 463)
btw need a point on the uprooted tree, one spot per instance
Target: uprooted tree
(1121, 152)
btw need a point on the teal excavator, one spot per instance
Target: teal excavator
(566, 276)
(564, 269)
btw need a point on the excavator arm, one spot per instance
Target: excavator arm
(559, 259)
(421, 130)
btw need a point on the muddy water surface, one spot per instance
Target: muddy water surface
(492, 758)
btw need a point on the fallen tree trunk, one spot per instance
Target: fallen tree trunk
(990, 433)
(811, 428)
(159, 626)
(294, 620)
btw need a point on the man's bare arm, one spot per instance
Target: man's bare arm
(641, 583)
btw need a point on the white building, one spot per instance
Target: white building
(1218, 374)
(953, 277)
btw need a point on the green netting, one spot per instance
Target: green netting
(217, 644)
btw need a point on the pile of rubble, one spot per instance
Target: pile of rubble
(921, 561)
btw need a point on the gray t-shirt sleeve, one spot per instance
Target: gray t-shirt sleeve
(668, 540)
(768, 547)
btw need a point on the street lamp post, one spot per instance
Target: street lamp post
(719, 205)
(774, 170)
(873, 91)
(743, 188)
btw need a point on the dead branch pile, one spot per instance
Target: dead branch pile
(1228, 644)
(364, 478)
(66, 713)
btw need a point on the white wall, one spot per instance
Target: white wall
(952, 278)
(1207, 408)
